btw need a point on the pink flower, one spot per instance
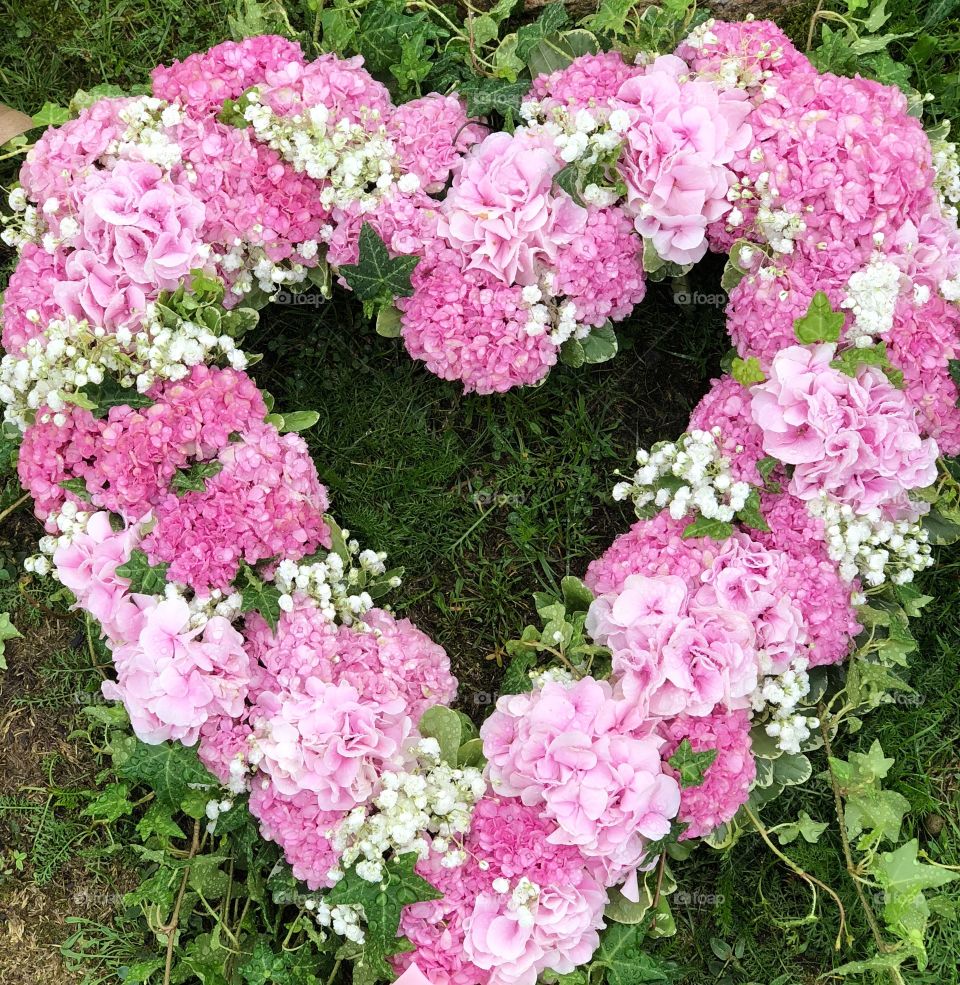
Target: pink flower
(588, 82)
(30, 289)
(88, 567)
(682, 135)
(591, 762)
(855, 438)
(726, 784)
(326, 741)
(502, 211)
(171, 679)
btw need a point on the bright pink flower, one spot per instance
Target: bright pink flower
(30, 290)
(589, 81)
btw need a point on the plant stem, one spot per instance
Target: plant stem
(812, 880)
(170, 929)
(15, 506)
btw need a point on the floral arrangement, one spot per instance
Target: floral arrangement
(690, 669)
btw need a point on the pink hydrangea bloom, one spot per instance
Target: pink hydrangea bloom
(471, 936)
(682, 136)
(468, 326)
(99, 291)
(134, 220)
(266, 502)
(88, 567)
(727, 781)
(593, 764)
(855, 438)
(171, 679)
(811, 578)
(383, 658)
(502, 211)
(342, 85)
(300, 827)
(650, 547)
(431, 135)
(248, 191)
(328, 741)
(676, 652)
(51, 454)
(65, 153)
(601, 269)
(923, 341)
(224, 746)
(726, 405)
(757, 51)
(589, 81)
(406, 223)
(205, 79)
(30, 290)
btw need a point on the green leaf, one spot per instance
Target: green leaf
(298, 966)
(553, 17)
(260, 596)
(516, 680)
(158, 820)
(557, 51)
(576, 596)
(704, 527)
(444, 725)
(50, 115)
(471, 754)
(611, 16)
(747, 372)
(572, 354)
(299, 420)
(378, 278)
(804, 827)
(820, 324)
(146, 578)
(194, 479)
(600, 345)
(382, 905)
(109, 394)
(169, 769)
(485, 95)
(78, 487)
(850, 360)
(692, 766)
(622, 955)
(7, 632)
(568, 179)
(938, 11)
(751, 514)
(112, 804)
(389, 322)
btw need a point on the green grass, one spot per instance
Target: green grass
(486, 499)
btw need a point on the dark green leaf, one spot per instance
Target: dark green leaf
(194, 479)
(260, 596)
(692, 766)
(377, 277)
(147, 578)
(169, 769)
(78, 487)
(750, 513)
(703, 527)
(110, 393)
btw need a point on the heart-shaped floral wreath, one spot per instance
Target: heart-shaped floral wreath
(684, 675)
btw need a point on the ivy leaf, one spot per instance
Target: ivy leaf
(382, 904)
(804, 827)
(485, 96)
(611, 16)
(389, 322)
(378, 278)
(50, 115)
(78, 487)
(766, 467)
(516, 680)
(109, 394)
(692, 766)
(747, 371)
(260, 596)
(158, 820)
(553, 17)
(300, 966)
(821, 323)
(600, 345)
(850, 360)
(621, 954)
(444, 725)
(750, 512)
(572, 354)
(145, 578)
(568, 179)
(194, 479)
(7, 632)
(111, 805)
(169, 769)
(704, 527)
(576, 596)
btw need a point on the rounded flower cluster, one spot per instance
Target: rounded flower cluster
(589, 81)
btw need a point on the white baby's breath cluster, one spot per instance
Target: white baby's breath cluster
(871, 546)
(523, 896)
(213, 810)
(355, 163)
(705, 484)
(427, 808)
(780, 694)
(871, 296)
(23, 224)
(70, 521)
(549, 315)
(246, 265)
(71, 353)
(946, 164)
(146, 137)
(346, 920)
(589, 136)
(333, 586)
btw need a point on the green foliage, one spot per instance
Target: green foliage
(7, 632)
(692, 766)
(194, 478)
(259, 596)
(145, 577)
(98, 398)
(820, 324)
(377, 278)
